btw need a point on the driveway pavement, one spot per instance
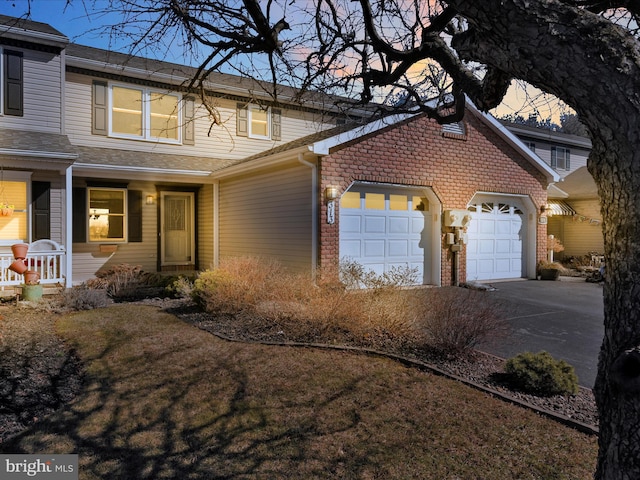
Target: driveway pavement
(564, 317)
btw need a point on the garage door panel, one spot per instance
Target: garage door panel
(399, 225)
(375, 224)
(351, 248)
(374, 248)
(503, 246)
(503, 227)
(398, 248)
(487, 226)
(486, 246)
(350, 224)
(485, 267)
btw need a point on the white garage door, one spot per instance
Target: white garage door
(382, 228)
(495, 241)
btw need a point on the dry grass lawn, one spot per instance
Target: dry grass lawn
(163, 400)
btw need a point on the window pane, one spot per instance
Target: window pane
(13, 217)
(421, 204)
(164, 116)
(374, 201)
(106, 215)
(126, 114)
(398, 202)
(259, 122)
(350, 200)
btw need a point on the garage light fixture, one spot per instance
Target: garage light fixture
(331, 193)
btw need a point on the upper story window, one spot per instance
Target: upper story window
(11, 83)
(142, 113)
(560, 158)
(530, 145)
(255, 121)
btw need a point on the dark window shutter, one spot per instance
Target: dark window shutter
(99, 108)
(567, 164)
(79, 212)
(134, 215)
(554, 157)
(41, 210)
(276, 124)
(188, 118)
(13, 84)
(242, 120)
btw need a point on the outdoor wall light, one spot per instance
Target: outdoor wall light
(331, 193)
(150, 200)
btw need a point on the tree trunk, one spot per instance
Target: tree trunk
(616, 169)
(594, 66)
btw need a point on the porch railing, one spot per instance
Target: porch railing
(48, 263)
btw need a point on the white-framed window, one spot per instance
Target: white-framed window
(560, 158)
(530, 145)
(259, 122)
(143, 113)
(106, 209)
(14, 208)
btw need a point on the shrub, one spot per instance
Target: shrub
(455, 320)
(541, 374)
(84, 298)
(238, 284)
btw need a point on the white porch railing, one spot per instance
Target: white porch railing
(44, 256)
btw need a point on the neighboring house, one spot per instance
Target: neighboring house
(574, 214)
(113, 158)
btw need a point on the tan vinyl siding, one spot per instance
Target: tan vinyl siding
(581, 234)
(88, 259)
(205, 227)
(42, 93)
(219, 141)
(268, 214)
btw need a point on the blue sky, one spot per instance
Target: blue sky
(78, 23)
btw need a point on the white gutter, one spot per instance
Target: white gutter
(125, 168)
(19, 33)
(35, 153)
(314, 213)
(324, 146)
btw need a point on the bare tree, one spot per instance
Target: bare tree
(427, 56)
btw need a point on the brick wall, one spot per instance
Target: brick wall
(455, 167)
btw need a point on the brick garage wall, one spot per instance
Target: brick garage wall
(417, 153)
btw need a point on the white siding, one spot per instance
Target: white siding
(42, 93)
(268, 214)
(218, 142)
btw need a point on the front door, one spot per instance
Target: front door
(177, 243)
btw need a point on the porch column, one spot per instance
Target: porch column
(68, 225)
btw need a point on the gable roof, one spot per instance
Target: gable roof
(321, 143)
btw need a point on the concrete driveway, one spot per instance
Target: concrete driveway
(564, 317)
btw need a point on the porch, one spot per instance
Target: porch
(46, 257)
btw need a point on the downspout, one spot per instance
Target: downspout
(216, 224)
(69, 226)
(314, 213)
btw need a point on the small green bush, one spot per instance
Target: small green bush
(541, 374)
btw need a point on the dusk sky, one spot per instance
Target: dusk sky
(80, 23)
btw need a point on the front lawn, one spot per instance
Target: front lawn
(163, 399)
